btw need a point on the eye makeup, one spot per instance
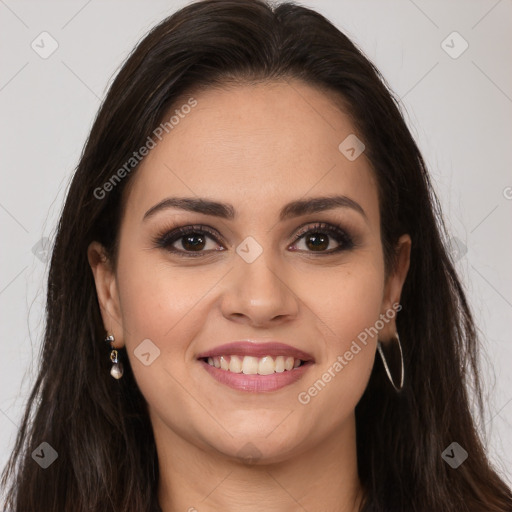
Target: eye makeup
(316, 232)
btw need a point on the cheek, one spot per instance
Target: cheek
(168, 305)
(357, 305)
(347, 306)
(346, 299)
(161, 304)
(155, 297)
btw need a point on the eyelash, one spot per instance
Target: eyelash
(165, 239)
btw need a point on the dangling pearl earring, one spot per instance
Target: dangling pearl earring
(117, 368)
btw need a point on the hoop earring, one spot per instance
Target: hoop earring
(396, 358)
(117, 368)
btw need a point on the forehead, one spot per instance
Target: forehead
(255, 146)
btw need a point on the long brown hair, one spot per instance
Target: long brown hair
(107, 460)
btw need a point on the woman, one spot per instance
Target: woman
(249, 225)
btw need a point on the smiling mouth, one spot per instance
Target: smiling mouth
(250, 365)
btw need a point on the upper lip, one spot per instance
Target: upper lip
(257, 349)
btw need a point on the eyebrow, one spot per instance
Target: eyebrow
(227, 211)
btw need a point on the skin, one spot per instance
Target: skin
(256, 147)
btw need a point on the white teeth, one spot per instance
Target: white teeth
(279, 364)
(224, 363)
(267, 365)
(235, 364)
(250, 365)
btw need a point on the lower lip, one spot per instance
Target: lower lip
(256, 383)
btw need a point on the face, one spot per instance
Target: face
(312, 279)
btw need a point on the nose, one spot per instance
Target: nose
(259, 294)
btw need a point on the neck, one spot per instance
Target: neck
(196, 480)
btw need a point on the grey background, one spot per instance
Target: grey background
(459, 110)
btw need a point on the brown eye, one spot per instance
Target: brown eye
(317, 241)
(319, 238)
(193, 242)
(186, 241)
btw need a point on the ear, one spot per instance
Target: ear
(394, 284)
(106, 288)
